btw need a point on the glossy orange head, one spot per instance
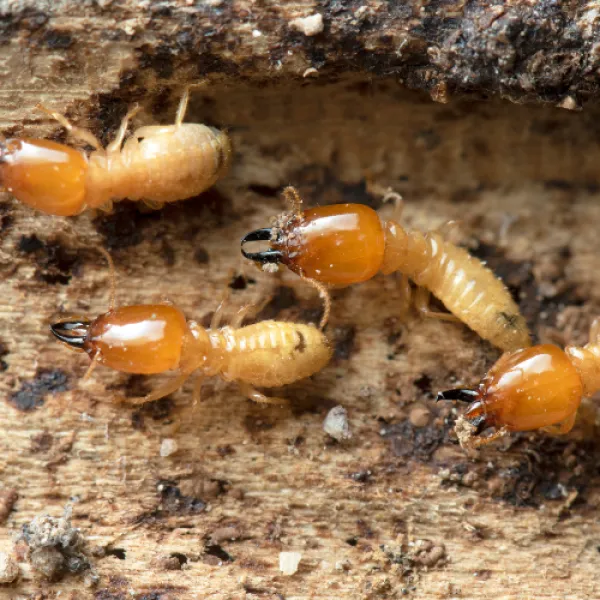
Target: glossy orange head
(47, 176)
(144, 339)
(525, 390)
(339, 244)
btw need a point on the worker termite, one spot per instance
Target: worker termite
(534, 388)
(344, 244)
(154, 338)
(157, 164)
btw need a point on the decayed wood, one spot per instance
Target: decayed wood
(398, 508)
(538, 51)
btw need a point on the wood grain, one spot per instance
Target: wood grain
(398, 509)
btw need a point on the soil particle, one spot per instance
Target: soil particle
(343, 339)
(8, 497)
(336, 424)
(55, 547)
(173, 501)
(9, 569)
(419, 443)
(32, 393)
(56, 263)
(3, 352)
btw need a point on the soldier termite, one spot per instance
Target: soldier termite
(157, 164)
(534, 388)
(154, 338)
(344, 244)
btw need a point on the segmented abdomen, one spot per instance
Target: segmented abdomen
(587, 362)
(467, 288)
(274, 353)
(170, 163)
(180, 164)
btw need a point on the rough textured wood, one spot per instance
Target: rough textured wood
(545, 51)
(399, 508)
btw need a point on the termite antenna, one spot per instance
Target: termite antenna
(461, 394)
(265, 256)
(92, 366)
(325, 296)
(113, 284)
(292, 197)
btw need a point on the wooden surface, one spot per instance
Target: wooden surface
(399, 509)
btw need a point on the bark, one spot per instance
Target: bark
(399, 508)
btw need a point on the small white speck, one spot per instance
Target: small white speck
(336, 424)
(289, 561)
(168, 447)
(256, 33)
(311, 25)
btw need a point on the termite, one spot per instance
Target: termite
(534, 388)
(157, 164)
(153, 338)
(343, 244)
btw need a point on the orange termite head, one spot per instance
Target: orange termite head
(340, 244)
(144, 339)
(525, 390)
(45, 175)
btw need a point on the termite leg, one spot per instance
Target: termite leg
(256, 396)
(250, 310)
(477, 442)
(217, 317)
(115, 145)
(405, 296)
(83, 135)
(183, 103)
(153, 204)
(164, 390)
(447, 229)
(387, 195)
(392, 196)
(595, 330)
(562, 428)
(196, 393)
(113, 277)
(105, 207)
(422, 297)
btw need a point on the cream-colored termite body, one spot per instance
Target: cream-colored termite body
(157, 164)
(343, 244)
(154, 338)
(468, 289)
(265, 354)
